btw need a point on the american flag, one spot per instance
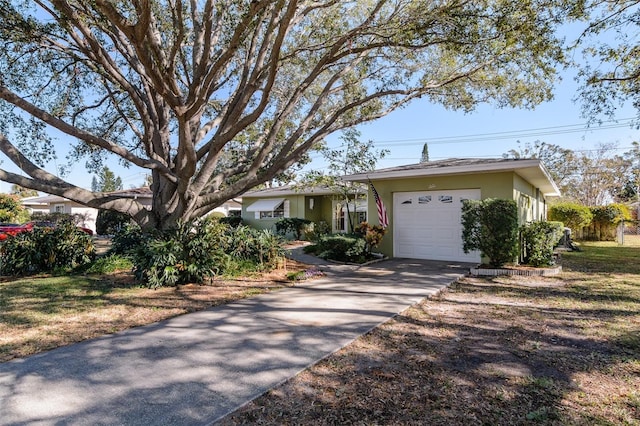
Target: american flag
(383, 219)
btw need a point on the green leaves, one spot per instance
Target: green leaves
(491, 226)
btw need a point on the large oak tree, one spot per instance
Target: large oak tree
(216, 97)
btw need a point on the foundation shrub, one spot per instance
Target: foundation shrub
(491, 226)
(537, 240)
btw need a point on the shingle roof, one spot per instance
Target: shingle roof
(532, 170)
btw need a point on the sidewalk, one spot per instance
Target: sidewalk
(196, 368)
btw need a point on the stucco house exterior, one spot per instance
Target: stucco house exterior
(86, 216)
(424, 201)
(261, 209)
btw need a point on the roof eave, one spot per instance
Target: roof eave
(532, 170)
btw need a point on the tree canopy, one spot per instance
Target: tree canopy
(106, 181)
(611, 75)
(216, 97)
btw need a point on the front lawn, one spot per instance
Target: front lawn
(43, 312)
(504, 351)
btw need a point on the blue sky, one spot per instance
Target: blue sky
(490, 131)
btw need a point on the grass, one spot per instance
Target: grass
(44, 312)
(502, 351)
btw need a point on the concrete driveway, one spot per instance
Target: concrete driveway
(196, 368)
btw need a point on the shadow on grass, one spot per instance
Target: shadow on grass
(464, 359)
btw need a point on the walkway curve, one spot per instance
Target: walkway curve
(196, 368)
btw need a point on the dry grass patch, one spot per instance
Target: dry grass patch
(502, 351)
(44, 312)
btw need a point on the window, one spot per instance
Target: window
(277, 212)
(271, 208)
(58, 208)
(358, 213)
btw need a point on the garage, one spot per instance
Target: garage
(426, 225)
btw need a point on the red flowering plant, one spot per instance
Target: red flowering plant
(372, 234)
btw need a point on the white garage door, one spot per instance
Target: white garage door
(426, 225)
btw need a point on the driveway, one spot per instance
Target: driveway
(196, 368)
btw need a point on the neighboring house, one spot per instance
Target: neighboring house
(263, 208)
(55, 204)
(88, 215)
(424, 201)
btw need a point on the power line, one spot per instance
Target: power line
(480, 137)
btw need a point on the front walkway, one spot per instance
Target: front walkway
(196, 368)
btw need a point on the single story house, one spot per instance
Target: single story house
(87, 215)
(261, 209)
(424, 201)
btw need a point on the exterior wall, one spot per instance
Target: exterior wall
(299, 206)
(491, 185)
(321, 210)
(86, 215)
(531, 203)
(296, 209)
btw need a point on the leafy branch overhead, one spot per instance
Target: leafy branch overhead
(216, 97)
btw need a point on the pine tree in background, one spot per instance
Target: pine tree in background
(425, 154)
(106, 181)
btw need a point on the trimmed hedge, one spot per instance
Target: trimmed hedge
(573, 215)
(491, 226)
(537, 240)
(343, 248)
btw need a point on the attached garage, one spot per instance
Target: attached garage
(424, 201)
(427, 225)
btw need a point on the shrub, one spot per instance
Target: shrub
(46, 250)
(232, 221)
(12, 210)
(293, 225)
(197, 251)
(191, 252)
(573, 215)
(372, 234)
(537, 240)
(605, 221)
(127, 240)
(343, 248)
(611, 215)
(491, 226)
(258, 246)
(317, 230)
(109, 222)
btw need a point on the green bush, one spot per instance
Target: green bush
(232, 221)
(259, 246)
(12, 210)
(491, 226)
(316, 230)
(610, 215)
(191, 252)
(109, 222)
(537, 240)
(46, 250)
(343, 248)
(127, 240)
(197, 251)
(294, 225)
(573, 215)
